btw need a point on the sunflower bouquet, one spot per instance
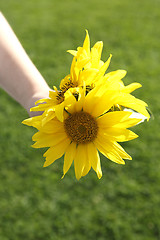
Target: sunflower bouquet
(89, 113)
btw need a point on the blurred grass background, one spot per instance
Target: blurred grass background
(125, 204)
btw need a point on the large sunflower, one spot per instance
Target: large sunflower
(89, 126)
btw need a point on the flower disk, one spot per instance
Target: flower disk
(81, 127)
(65, 85)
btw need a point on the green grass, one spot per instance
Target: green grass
(34, 203)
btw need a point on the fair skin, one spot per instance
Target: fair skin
(18, 75)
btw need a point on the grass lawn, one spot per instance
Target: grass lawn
(35, 204)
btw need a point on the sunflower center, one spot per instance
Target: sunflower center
(81, 127)
(60, 97)
(63, 89)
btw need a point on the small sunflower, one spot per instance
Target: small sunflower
(89, 127)
(87, 69)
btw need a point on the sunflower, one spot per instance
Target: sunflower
(87, 69)
(89, 127)
(84, 68)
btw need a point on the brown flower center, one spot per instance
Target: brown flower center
(81, 127)
(63, 89)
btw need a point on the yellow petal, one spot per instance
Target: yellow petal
(80, 64)
(73, 73)
(117, 134)
(103, 69)
(95, 58)
(94, 159)
(101, 63)
(72, 52)
(47, 140)
(55, 152)
(129, 101)
(131, 87)
(96, 52)
(108, 151)
(86, 44)
(98, 100)
(68, 100)
(115, 75)
(52, 126)
(90, 100)
(130, 122)
(121, 151)
(80, 160)
(69, 157)
(88, 75)
(79, 103)
(33, 121)
(112, 118)
(40, 107)
(47, 117)
(104, 104)
(87, 168)
(69, 97)
(75, 106)
(53, 96)
(59, 111)
(45, 100)
(99, 46)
